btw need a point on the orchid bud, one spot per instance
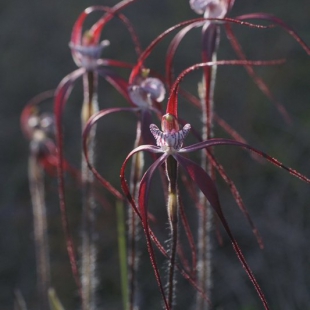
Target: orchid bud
(146, 91)
(87, 54)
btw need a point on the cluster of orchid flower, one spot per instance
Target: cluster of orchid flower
(145, 91)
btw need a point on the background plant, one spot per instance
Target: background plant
(274, 208)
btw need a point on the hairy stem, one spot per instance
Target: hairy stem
(121, 229)
(133, 222)
(36, 183)
(88, 251)
(173, 214)
(205, 214)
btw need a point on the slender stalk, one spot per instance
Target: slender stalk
(133, 222)
(88, 251)
(19, 301)
(36, 183)
(173, 214)
(205, 214)
(121, 228)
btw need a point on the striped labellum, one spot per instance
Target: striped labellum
(170, 141)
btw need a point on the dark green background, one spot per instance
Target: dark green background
(34, 57)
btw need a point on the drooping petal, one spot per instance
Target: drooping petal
(111, 12)
(257, 80)
(143, 201)
(206, 185)
(236, 196)
(61, 95)
(172, 106)
(281, 23)
(125, 187)
(173, 46)
(91, 122)
(215, 142)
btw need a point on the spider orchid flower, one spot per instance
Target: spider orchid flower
(211, 8)
(218, 9)
(39, 129)
(86, 50)
(169, 145)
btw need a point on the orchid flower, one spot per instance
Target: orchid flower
(86, 51)
(169, 145)
(210, 41)
(219, 9)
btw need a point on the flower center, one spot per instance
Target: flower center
(170, 141)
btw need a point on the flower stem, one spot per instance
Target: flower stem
(36, 183)
(173, 214)
(121, 227)
(89, 252)
(205, 214)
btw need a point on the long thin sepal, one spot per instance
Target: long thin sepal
(91, 122)
(61, 95)
(206, 185)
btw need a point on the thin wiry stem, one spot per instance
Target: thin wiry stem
(133, 221)
(205, 214)
(121, 228)
(36, 183)
(88, 251)
(19, 301)
(173, 214)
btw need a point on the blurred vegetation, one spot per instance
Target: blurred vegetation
(35, 57)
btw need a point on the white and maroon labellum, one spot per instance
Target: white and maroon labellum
(170, 141)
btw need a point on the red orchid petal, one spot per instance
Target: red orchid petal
(172, 50)
(173, 102)
(149, 49)
(143, 195)
(125, 187)
(257, 80)
(236, 196)
(196, 21)
(281, 23)
(143, 199)
(206, 185)
(91, 122)
(76, 35)
(111, 12)
(215, 142)
(61, 95)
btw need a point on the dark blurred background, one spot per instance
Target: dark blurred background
(35, 57)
